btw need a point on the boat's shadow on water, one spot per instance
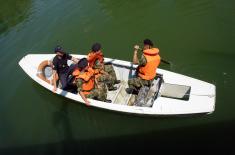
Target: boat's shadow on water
(208, 138)
(191, 140)
(61, 111)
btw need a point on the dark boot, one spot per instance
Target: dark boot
(117, 82)
(112, 88)
(131, 91)
(108, 101)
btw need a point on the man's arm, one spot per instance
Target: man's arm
(135, 56)
(54, 72)
(70, 57)
(142, 61)
(97, 84)
(84, 98)
(75, 60)
(79, 89)
(55, 75)
(98, 65)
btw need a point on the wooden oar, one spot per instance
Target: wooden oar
(166, 62)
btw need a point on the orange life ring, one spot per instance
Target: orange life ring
(41, 71)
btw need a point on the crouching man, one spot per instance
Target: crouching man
(85, 81)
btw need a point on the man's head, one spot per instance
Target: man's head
(59, 51)
(96, 47)
(148, 44)
(82, 64)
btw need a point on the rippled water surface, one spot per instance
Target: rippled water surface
(197, 37)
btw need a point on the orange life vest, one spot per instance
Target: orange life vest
(148, 72)
(76, 72)
(88, 79)
(93, 56)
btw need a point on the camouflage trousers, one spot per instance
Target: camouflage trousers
(98, 94)
(107, 79)
(137, 83)
(110, 70)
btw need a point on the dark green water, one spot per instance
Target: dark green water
(196, 36)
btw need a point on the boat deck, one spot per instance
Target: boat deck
(120, 96)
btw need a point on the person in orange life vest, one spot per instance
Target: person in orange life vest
(61, 68)
(147, 65)
(85, 81)
(104, 72)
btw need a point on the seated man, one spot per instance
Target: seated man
(104, 72)
(61, 68)
(85, 81)
(147, 65)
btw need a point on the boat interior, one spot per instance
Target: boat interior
(146, 95)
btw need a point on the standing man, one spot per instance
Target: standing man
(147, 66)
(61, 68)
(103, 72)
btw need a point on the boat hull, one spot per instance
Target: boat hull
(201, 100)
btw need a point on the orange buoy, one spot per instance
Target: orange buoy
(41, 71)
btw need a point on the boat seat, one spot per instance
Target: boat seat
(114, 98)
(175, 91)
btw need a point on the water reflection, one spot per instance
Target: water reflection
(61, 122)
(13, 12)
(35, 120)
(119, 8)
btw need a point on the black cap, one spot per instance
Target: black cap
(58, 48)
(148, 42)
(96, 47)
(82, 63)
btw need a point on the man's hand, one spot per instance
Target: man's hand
(97, 83)
(103, 72)
(87, 103)
(136, 47)
(84, 98)
(54, 90)
(135, 57)
(75, 60)
(55, 78)
(102, 66)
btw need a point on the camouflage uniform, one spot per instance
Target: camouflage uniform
(110, 78)
(137, 83)
(110, 70)
(96, 93)
(105, 80)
